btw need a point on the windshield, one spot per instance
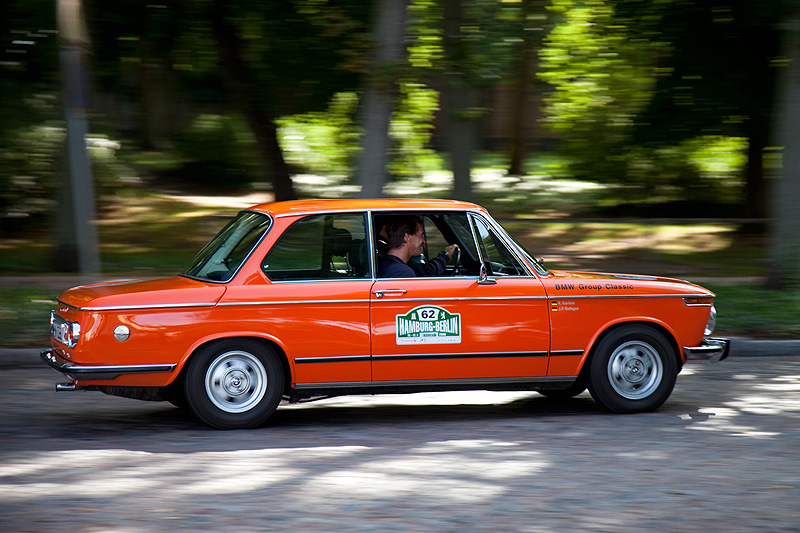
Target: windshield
(222, 257)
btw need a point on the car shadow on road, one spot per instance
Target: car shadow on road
(122, 420)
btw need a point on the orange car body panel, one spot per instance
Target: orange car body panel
(343, 331)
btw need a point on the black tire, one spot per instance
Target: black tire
(632, 370)
(565, 394)
(234, 384)
(174, 393)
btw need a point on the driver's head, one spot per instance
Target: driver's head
(400, 226)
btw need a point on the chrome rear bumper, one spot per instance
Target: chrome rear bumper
(713, 349)
(85, 373)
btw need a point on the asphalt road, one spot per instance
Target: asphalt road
(721, 454)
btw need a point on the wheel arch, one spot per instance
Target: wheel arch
(668, 335)
(269, 343)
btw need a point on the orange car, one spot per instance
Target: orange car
(287, 302)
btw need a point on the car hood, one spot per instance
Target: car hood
(163, 292)
(569, 282)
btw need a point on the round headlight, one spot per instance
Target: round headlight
(712, 321)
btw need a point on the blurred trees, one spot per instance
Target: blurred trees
(641, 82)
(784, 266)
(30, 115)
(666, 100)
(260, 60)
(380, 89)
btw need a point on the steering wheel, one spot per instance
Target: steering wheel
(456, 259)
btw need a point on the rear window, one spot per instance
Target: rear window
(320, 247)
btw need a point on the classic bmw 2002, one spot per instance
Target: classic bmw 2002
(290, 301)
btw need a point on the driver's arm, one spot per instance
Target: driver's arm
(437, 265)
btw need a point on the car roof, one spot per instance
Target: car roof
(300, 207)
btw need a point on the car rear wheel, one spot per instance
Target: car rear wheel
(234, 383)
(633, 369)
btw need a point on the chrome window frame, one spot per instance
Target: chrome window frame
(369, 275)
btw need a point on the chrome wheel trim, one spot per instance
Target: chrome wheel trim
(236, 381)
(635, 370)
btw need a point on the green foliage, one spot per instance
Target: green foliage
(605, 62)
(322, 142)
(601, 79)
(219, 152)
(410, 130)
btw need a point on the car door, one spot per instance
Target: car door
(462, 327)
(313, 298)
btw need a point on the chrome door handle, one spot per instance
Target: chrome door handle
(379, 294)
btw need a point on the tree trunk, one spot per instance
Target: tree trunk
(520, 97)
(462, 135)
(784, 267)
(381, 89)
(756, 195)
(156, 89)
(74, 46)
(459, 105)
(245, 92)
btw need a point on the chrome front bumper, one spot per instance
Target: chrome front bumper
(713, 349)
(85, 373)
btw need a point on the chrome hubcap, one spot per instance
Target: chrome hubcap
(635, 370)
(236, 381)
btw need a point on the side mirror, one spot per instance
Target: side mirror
(483, 276)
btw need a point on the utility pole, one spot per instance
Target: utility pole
(73, 49)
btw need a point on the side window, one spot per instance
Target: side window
(460, 227)
(320, 247)
(502, 260)
(434, 240)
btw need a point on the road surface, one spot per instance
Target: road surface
(721, 454)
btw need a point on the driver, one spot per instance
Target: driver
(405, 238)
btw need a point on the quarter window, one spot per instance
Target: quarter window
(320, 247)
(500, 258)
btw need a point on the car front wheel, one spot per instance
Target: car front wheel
(234, 384)
(633, 370)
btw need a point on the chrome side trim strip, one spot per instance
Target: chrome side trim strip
(596, 296)
(139, 307)
(79, 372)
(383, 300)
(459, 299)
(334, 359)
(294, 302)
(560, 353)
(430, 356)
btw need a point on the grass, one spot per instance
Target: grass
(750, 311)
